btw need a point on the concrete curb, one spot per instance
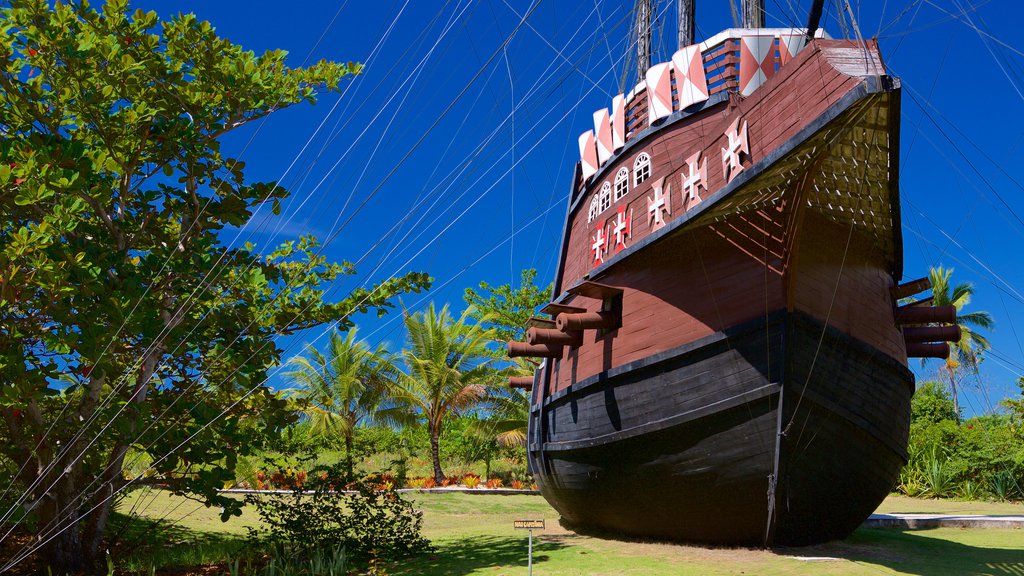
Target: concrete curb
(444, 490)
(899, 521)
(924, 521)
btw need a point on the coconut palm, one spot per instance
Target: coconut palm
(965, 353)
(508, 410)
(446, 371)
(345, 387)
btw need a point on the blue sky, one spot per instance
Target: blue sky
(436, 71)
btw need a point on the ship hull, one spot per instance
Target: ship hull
(754, 389)
(682, 446)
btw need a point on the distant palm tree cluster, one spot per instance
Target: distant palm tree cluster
(446, 369)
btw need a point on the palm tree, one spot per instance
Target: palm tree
(447, 369)
(965, 353)
(345, 388)
(508, 410)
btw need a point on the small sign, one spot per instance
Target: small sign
(528, 524)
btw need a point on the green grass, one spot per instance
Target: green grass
(474, 536)
(168, 530)
(905, 505)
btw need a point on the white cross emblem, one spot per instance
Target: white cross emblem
(622, 228)
(658, 207)
(698, 176)
(598, 246)
(731, 160)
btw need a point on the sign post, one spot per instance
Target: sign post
(529, 525)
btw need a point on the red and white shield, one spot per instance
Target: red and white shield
(659, 92)
(789, 46)
(603, 132)
(757, 62)
(691, 82)
(588, 154)
(618, 122)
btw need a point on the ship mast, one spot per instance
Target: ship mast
(687, 19)
(753, 13)
(813, 18)
(643, 37)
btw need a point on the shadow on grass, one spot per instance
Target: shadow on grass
(139, 542)
(466, 556)
(915, 552)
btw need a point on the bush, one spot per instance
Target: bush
(981, 458)
(369, 521)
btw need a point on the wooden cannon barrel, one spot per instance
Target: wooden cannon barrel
(521, 382)
(910, 288)
(536, 336)
(932, 333)
(928, 350)
(603, 320)
(925, 315)
(522, 349)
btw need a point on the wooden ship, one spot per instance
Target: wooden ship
(725, 356)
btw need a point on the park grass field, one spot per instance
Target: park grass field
(473, 535)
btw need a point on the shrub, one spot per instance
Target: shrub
(372, 521)
(1002, 485)
(417, 482)
(970, 490)
(284, 562)
(429, 483)
(471, 480)
(938, 481)
(494, 483)
(518, 485)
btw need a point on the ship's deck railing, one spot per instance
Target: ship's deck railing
(721, 55)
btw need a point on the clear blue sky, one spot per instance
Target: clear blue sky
(565, 62)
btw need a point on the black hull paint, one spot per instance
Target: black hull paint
(685, 445)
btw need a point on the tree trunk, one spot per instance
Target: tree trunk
(66, 552)
(348, 457)
(435, 455)
(956, 401)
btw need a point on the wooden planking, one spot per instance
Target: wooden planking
(838, 395)
(858, 308)
(721, 283)
(696, 284)
(774, 113)
(703, 479)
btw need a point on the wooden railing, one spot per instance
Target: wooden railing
(721, 69)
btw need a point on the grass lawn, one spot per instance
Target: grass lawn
(474, 536)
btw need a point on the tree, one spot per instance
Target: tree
(967, 352)
(345, 388)
(932, 404)
(447, 370)
(506, 309)
(1016, 405)
(122, 310)
(508, 409)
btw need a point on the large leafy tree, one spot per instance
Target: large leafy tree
(345, 386)
(116, 285)
(447, 369)
(506, 309)
(966, 353)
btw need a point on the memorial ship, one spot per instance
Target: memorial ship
(725, 356)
